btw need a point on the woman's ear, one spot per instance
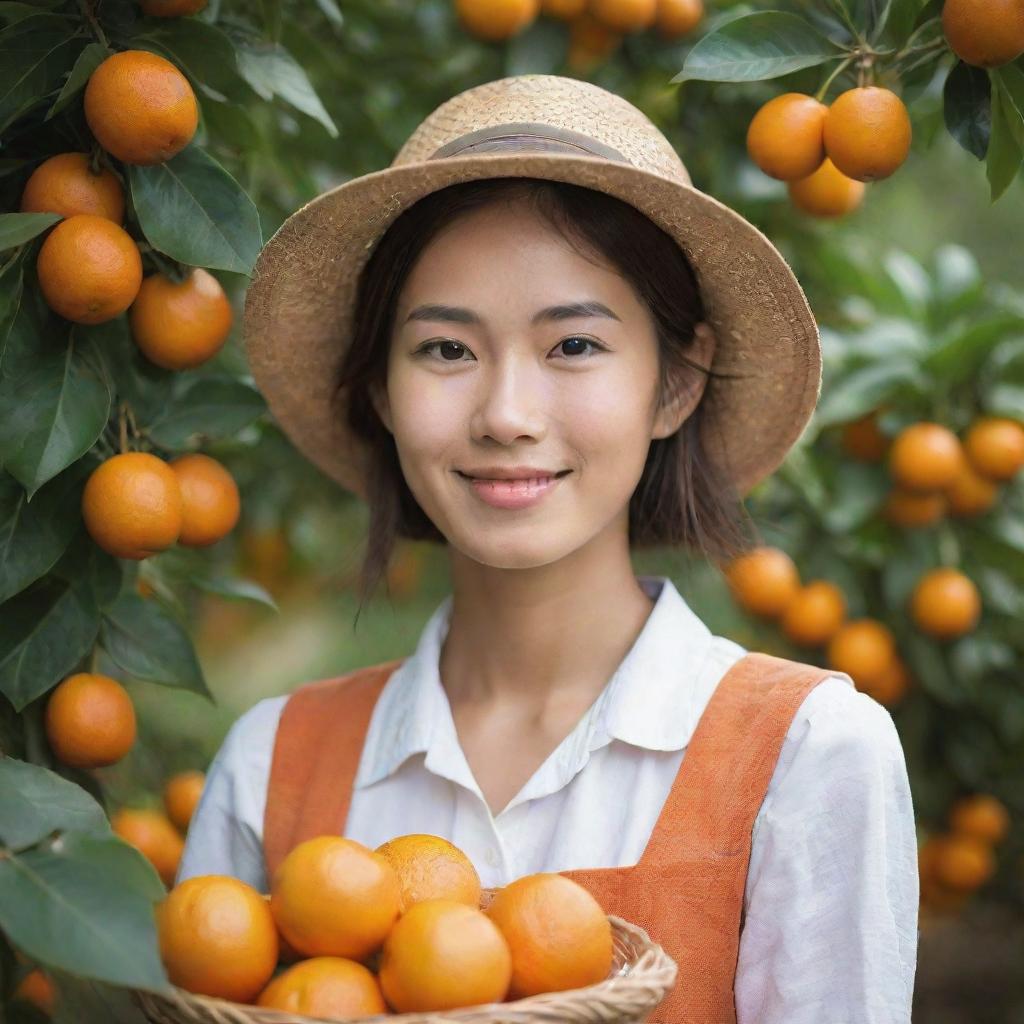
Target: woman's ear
(379, 398)
(689, 384)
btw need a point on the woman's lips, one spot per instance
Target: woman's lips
(512, 494)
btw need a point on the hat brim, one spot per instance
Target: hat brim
(299, 306)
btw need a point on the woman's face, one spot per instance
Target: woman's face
(494, 381)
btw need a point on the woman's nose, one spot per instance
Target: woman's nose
(511, 401)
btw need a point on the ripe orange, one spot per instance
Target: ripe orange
(891, 686)
(985, 33)
(945, 603)
(90, 720)
(217, 937)
(676, 18)
(65, 184)
(815, 614)
(333, 896)
(982, 816)
(210, 503)
(89, 269)
(867, 132)
(180, 325)
(441, 955)
(862, 440)
(971, 494)
(763, 581)
(925, 457)
(153, 835)
(140, 107)
(827, 192)
(995, 447)
(38, 989)
(863, 649)
(181, 797)
(171, 8)
(785, 137)
(494, 20)
(132, 505)
(625, 15)
(564, 10)
(325, 986)
(559, 935)
(964, 862)
(590, 42)
(430, 867)
(910, 508)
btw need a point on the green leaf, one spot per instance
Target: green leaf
(209, 409)
(758, 46)
(960, 352)
(860, 490)
(958, 281)
(33, 535)
(865, 389)
(44, 633)
(11, 12)
(1004, 154)
(142, 640)
(33, 59)
(191, 209)
(1005, 400)
(272, 71)
(88, 61)
(16, 228)
(202, 51)
(35, 802)
(84, 1001)
(967, 108)
(87, 566)
(1009, 80)
(236, 589)
(84, 903)
(540, 50)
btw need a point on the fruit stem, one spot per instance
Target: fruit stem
(90, 17)
(820, 94)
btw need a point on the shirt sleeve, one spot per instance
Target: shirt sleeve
(831, 902)
(225, 836)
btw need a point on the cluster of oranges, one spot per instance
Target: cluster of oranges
(348, 931)
(955, 863)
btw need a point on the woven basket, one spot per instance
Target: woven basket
(642, 973)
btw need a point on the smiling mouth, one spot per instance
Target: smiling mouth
(508, 480)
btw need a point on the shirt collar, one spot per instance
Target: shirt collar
(650, 701)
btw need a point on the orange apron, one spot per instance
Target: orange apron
(686, 890)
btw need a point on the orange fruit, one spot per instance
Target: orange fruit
(863, 649)
(154, 836)
(862, 440)
(891, 686)
(171, 8)
(964, 862)
(763, 581)
(994, 446)
(181, 797)
(89, 269)
(785, 137)
(925, 457)
(827, 192)
(325, 986)
(985, 33)
(910, 508)
(494, 20)
(210, 503)
(430, 867)
(90, 720)
(945, 603)
(590, 42)
(559, 935)
(217, 937)
(982, 816)
(333, 896)
(564, 10)
(180, 325)
(625, 15)
(815, 614)
(441, 955)
(38, 989)
(65, 184)
(867, 132)
(676, 18)
(132, 505)
(140, 107)
(971, 494)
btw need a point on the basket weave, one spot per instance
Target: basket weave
(642, 973)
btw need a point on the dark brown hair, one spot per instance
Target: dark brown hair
(680, 501)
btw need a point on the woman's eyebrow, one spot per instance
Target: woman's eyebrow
(460, 315)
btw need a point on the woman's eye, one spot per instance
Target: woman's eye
(455, 348)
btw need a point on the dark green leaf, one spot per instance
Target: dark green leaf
(87, 566)
(88, 61)
(860, 490)
(540, 50)
(149, 645)
(929, 666)
(1009, 80)
(237, 589)
(16, 228)
(84, 1001)
(35, 802)
(84, 903)
(208, 409)
(967, 108)
(191, 209)
(32, 62)
(1004, 153)
(865, 389)
(755, 47)
(960, 352)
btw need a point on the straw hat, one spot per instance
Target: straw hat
(298, 309)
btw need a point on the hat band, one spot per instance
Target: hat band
(540, 138)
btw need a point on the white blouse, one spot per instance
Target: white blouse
(831, 902)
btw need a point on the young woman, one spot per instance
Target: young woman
(534, 291)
